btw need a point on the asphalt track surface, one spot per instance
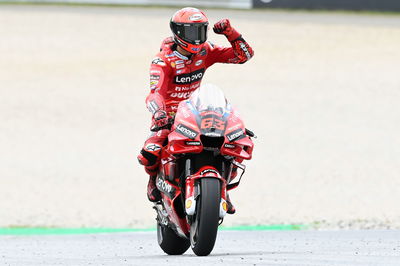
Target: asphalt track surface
(232, 248)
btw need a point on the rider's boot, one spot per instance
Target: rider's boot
(150, 163)
(153, 194)
(231, 208)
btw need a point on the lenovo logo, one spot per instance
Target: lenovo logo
(189, 77)
(235, 135)
(187, 132)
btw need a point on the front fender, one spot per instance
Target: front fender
(192, 191)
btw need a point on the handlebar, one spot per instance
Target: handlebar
(166, 126)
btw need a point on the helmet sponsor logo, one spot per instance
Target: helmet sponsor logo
(186, 131)
(189, 77)
(196, 17)
(199, 62)
(235, 135)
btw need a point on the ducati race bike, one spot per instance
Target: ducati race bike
(207, 141)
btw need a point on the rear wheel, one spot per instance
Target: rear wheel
(170, 242)
(203, 230)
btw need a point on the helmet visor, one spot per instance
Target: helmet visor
(194, 33)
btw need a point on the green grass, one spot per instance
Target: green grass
(69, 231)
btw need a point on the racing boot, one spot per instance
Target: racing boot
(231, 208)
(153, 194)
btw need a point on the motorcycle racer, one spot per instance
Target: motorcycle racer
(177, 71)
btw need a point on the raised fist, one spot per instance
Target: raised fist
(224, 27)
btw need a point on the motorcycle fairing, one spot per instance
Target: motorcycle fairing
(190, 125)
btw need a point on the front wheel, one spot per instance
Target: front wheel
(203, 230)
(170, 242)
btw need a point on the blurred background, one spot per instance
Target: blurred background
(322, 93)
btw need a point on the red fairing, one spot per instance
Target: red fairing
(185, 133)
(237, 143)
(171, 200)
(174, 77)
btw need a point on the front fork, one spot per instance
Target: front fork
(193, 188)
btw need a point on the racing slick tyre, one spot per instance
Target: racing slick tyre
(170, 242)
(203, 230)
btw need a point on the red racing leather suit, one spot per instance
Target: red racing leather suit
(173, 78)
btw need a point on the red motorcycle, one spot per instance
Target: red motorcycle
(206, 141)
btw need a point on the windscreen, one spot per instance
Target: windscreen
(212, 109)
(209, 98)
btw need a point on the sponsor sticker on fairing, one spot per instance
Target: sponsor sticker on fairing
(193, 143)
(186, 131)
(164, 186)
(235, 135)
(229, 146)
(209, 171)
(199, 62)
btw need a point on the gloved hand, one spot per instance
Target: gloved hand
(160, 119)
(224, 27)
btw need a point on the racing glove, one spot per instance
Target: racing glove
(224, 27)
(160, 119)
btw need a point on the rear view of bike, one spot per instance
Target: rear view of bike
(207, 143)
